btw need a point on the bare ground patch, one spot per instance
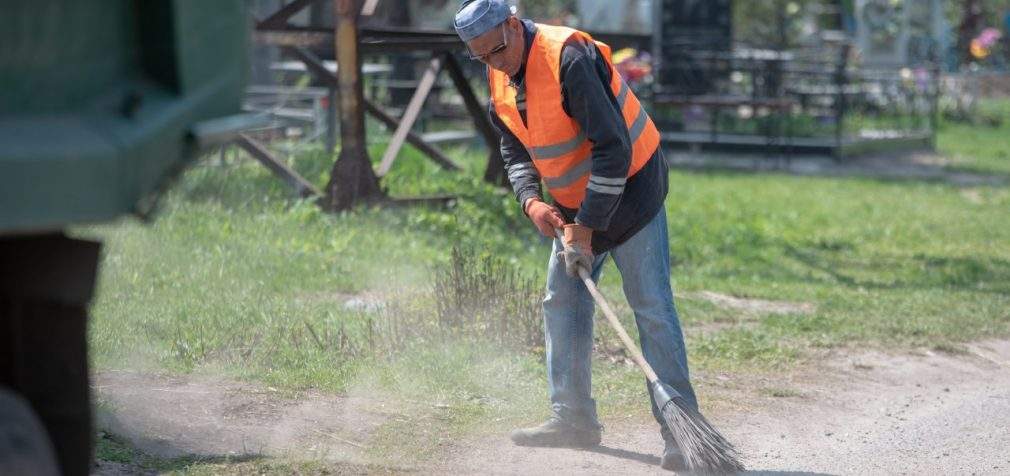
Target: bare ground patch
(365, 301)
(170, 416)
(847, 412)
(753, 307)
(745, 310)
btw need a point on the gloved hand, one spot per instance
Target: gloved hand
(578, 250)
(545, 217)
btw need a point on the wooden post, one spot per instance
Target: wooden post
(332, 100)
(410, 115)
(258, 151)
(315, 66)
(352, 180)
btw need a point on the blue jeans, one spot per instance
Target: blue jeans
(644, 263)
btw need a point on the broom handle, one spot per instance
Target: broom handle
(629, 344)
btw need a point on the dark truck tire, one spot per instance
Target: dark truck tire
(46, 283)
(24, 444)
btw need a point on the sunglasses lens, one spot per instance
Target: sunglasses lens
(496, 49)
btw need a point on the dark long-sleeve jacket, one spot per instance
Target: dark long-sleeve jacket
(614, 213)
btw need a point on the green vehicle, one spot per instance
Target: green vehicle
(102, 103)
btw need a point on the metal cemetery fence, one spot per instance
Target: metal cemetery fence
(804, 101)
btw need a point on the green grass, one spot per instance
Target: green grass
(110, 448)
(977, 146)
(883, 261)
(238, 277)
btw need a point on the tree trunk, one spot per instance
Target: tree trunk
(352, 180)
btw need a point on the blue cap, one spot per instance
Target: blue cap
(476, 17)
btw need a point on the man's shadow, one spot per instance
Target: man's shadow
(654, 460)
(632, 455)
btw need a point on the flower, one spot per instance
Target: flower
(982, 45)
(989, 37)
(632, 65)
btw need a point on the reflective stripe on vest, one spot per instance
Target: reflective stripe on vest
(559, 147)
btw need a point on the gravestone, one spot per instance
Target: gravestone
(687, 28)
(895, 33)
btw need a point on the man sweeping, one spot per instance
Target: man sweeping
(567, 119)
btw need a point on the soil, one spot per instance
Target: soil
(865, 412)
(870, 413)
(170, 416)
(753, 307)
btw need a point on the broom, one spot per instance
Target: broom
(705, 449)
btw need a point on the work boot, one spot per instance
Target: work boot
(673, 458)
(556, 433)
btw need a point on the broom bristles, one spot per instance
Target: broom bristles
(705, 450)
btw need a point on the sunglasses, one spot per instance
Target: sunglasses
(497, 49)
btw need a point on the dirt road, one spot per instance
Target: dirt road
(924, 413)
(871, 413)
(169, 416)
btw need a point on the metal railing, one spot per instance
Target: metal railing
(794, 101)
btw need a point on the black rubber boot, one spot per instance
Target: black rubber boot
(556, 433)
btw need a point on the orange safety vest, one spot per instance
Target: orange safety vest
(560, 150)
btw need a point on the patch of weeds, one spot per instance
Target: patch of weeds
(410, 440)
(474, 297)
(833, 244)
(479, 294)
(951, 348)
(779, 392)
(112, 449)
(457, 389)
(816, 325)
(279, 468)
(619, 390)
(734, 348)
(450, 389)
